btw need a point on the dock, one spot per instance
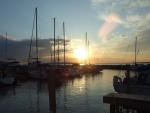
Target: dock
(140, 103)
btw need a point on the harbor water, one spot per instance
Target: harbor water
(76, 95)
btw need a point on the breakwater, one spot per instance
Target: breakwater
(116, 67)
(124, 67)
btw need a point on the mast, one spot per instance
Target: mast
(6, 49)
(36, 37)
(51, 53)
(86, 46)
(64, 41)
(58, 50)
(54, 41)
(88, 53)
(135, 49)
(31, 38)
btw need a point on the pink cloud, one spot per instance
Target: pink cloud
(111, 23)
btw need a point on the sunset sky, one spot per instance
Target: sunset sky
(111, 26)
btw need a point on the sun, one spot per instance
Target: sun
(80, 53)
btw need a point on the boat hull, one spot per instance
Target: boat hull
(8, 80)
(37, 75)
(141, 90)
(131, 88)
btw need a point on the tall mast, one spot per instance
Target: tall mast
(54, 41)
(88, 53)
(135, 49)
(58, 50)
(31, 37)
(86, 46)
(64, 40)
(51, 53)
(6, 49)
(36, 37)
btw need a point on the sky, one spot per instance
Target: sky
(111, 27)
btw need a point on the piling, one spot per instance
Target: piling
(51, 89)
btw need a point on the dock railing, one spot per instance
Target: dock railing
(140, 103)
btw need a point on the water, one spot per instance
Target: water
(79, 95)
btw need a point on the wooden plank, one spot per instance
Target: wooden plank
(141, 102)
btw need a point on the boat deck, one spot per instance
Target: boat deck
(141, 103)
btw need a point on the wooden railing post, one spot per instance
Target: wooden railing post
(128, 78)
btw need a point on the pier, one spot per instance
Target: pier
(140, 103)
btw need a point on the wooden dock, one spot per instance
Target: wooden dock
(140, 103)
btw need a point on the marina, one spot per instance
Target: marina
(83, 94)
(74, 90)
(89, 56)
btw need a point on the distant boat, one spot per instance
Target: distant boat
(36, 71)
(73, 71)
(90, 69)
(7, 73)
(7, 78)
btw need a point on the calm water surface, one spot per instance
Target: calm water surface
(79, 95)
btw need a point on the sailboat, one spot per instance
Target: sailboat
(138, 84)
(88, 68)
(7, 76)
(35, 69)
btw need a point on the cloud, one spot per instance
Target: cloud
(15, 49)
(19, 49)
(112, 17)
(127, 10)
(133, 18)
(126, 3)
(120, 22)
(96, 2)
(111, 22)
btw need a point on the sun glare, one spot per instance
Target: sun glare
(80, 53)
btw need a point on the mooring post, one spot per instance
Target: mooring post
(128, 78)
(51, 89)
(112, 108)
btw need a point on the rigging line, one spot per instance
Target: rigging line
(31, 37)
(136, 24)
(61, 39)
(134, 31)
(139, 15)
(138, 21)
(61, 34)
(51, 30)
(65, 36)
(57, 28)
(124, 57)
(39, 38)
(67, 39)
(146, 25)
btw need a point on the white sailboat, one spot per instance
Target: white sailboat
(7, 77)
